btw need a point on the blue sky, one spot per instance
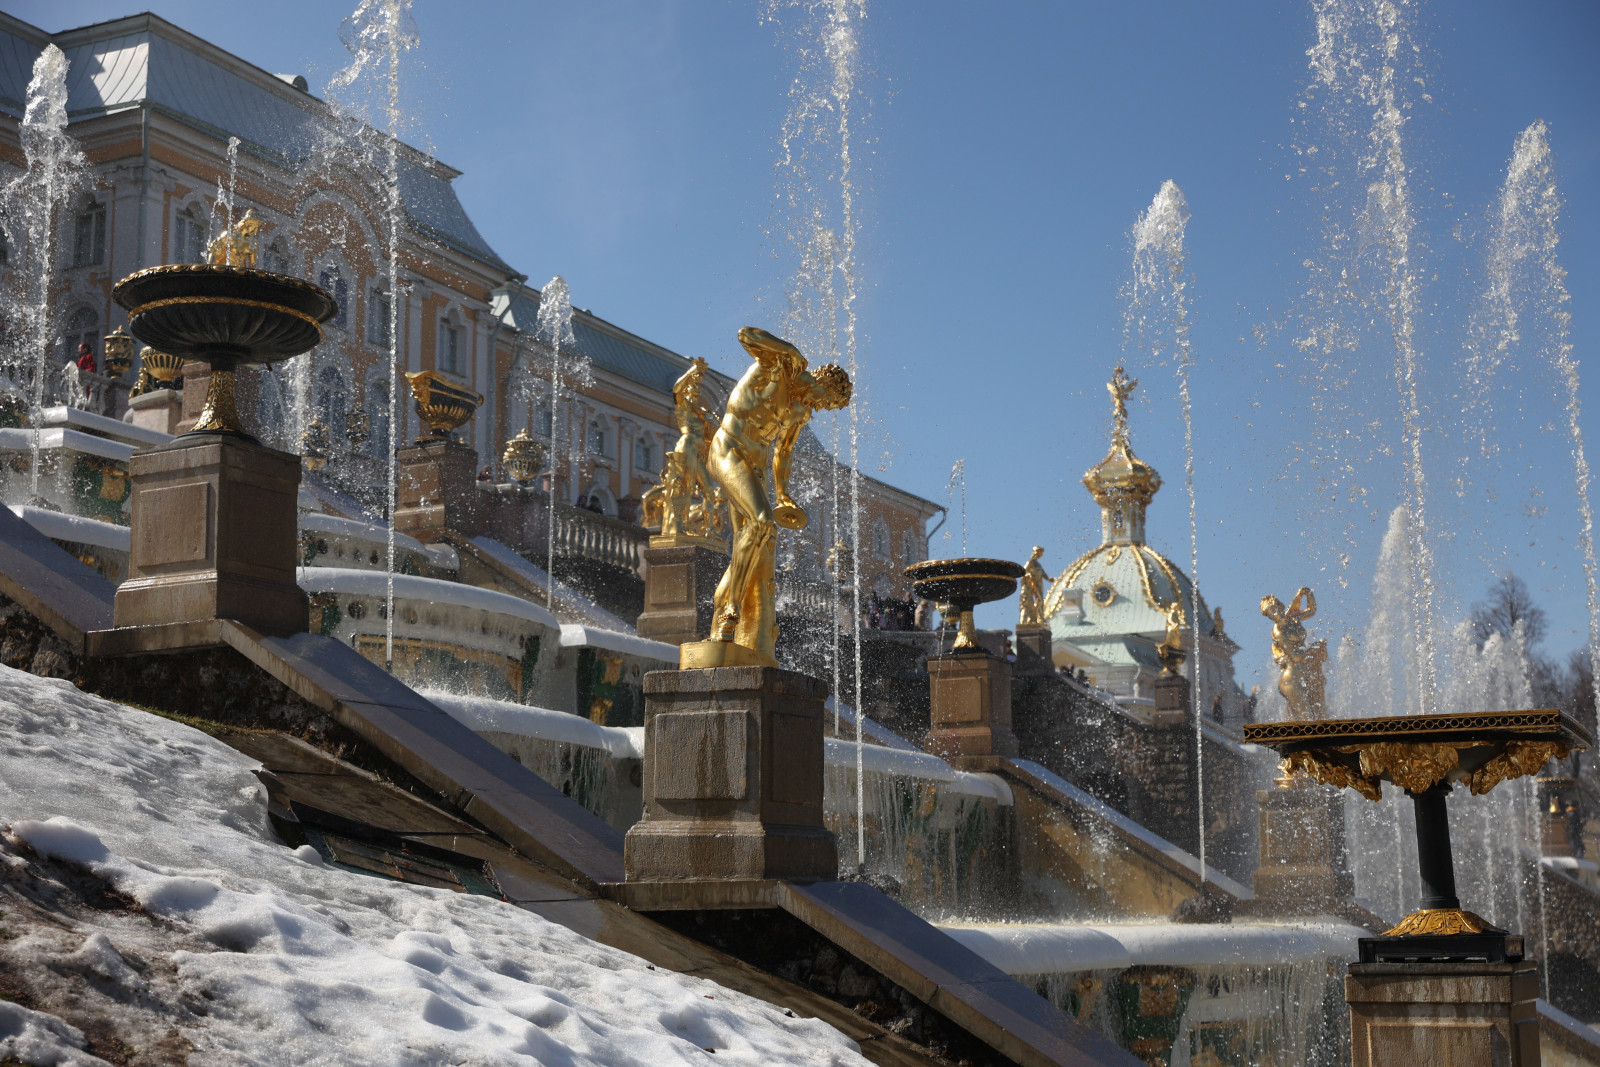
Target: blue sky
(1006, 151)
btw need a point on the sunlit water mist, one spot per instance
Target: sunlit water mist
(1526, 312)
(817, 193)
(376, 34)
(955, 496)
(1157, 320)
(55, 174)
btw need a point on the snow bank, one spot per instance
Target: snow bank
(297, 962)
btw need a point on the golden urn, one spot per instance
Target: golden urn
(443, 405)
(164, 368)
(119, 352)
(522, 458)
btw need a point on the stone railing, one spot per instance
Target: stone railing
(806, 597)
(599, 538)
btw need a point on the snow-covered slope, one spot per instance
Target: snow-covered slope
(142, 895)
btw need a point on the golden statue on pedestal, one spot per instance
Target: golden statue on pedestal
(1301, 681)
(767, 409)
(685, 504)
(239, 246)
(1170, 650)
(1031, 591)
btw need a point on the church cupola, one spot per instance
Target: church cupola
(1122, 483)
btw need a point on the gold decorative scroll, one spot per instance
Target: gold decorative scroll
(1518, 759)
(1328, 770)
(1416, 766)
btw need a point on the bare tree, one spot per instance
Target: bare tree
(1508, 603)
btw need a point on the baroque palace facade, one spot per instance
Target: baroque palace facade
(154, 108)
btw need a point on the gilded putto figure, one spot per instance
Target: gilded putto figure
(749, 458)
(1300, 679)
(686, 504)
(239, 246)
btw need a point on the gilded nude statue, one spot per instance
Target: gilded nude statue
(686, 504)
(1031, 591)
(1300, 679)
(766, 411)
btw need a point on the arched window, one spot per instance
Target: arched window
(189, 236)
(83, 325)
(332, 400)
(378, 418)
(331, 279)
(644, 455)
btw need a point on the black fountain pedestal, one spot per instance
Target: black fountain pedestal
(1436, 867)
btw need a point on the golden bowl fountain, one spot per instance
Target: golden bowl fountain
(963, 584)
(443, 405)
(224, 315)
(1425, 755)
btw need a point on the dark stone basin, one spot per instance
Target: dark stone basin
(223, 315)
(964, 583)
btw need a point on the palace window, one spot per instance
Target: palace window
(331, 280)
(89, 236)
(911, 547)
(276, 257)
(378, 419)
(643, 455)
(189, 237)
(597, 439)
(82, 326)
(378, 311)
(449, 347)
(880, 540)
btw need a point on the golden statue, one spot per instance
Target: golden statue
(686, 505)
(239, 246)
(767, 409)
(1031, 591)
(1301, 681)
(1170, 650)
(1121, 387)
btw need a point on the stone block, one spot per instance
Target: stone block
(970, 693)
(1034, 641)
(1172, 699)
(680, 582)
(1304, 867)
(438, 491)
(214, 536)
(732, 778)
(196, 384)
(1462, 1014)
(159, 409)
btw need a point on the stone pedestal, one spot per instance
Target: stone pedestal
(1172, 700)
(438, 490)
(159, 409)
(1305, 868)
(1034, 640)
(970, 721)
(732, 780)
(680, 581)
(196, 384)
(1461, 1014)
(214, 536)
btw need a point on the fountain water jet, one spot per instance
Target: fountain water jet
(56, 173)
(555, 329)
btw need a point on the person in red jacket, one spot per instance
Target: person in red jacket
(85, 357)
